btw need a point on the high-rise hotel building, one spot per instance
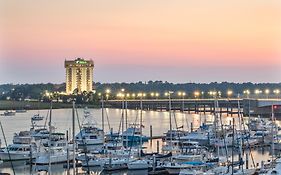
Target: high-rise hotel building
(79, 75)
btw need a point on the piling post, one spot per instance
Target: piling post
(227, 109)
(191, 126)
(204, 109)
(151, 132)
(157, 146)
(67, 154)
(30, 159)
(247, 161)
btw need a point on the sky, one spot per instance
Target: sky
(130, 40)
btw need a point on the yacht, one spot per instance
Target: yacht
(16, 152)
(8, 113)
(90, 134)
(116, 164)
(37, 117)
(23, 148)
(139, 164)
(54, 150)
(133, 134)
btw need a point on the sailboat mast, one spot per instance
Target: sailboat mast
(232, 151)
(102, 113)
(170, 116)
(141, 122)
(272, 130)
(50, 139)
(73, 135)
(122, 120)
(126, 121)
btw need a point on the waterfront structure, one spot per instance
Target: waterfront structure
(79, 75)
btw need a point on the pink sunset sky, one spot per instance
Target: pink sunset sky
(132, 40)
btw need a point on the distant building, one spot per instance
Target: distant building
(79, 75)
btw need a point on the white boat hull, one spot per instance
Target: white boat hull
(14, 156)
(54, 159)
(138, 165)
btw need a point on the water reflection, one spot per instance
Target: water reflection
(62, 121)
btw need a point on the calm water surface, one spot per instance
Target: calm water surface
(62, 119)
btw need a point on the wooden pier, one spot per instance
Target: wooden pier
(228, 106)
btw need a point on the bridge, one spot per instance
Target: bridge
(229, 106)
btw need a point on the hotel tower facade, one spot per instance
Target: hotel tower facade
(79, 75)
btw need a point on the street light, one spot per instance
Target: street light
(156, 94)
(247, 92)
(229, 93)
(107, 91)
(276, 92)
(267, 91)
(257, 92)
(196, 94)
(133, 95)
(182, 94)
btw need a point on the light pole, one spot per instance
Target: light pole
(276, 92)
(267, 91)
(229, 93)
(182, 95)
(247, 92)
(170, 114)
(156, 95)
(196, 94)
(257, 92)
(141, 95)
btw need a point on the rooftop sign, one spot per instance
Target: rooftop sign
(81, 62)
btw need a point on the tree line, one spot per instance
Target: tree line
(38, 91)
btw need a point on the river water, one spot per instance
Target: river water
(62, 120)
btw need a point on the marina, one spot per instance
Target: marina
(183, 143)
(140, 87)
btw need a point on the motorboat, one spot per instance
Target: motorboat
(8, 113)
(190, 171)
(276, 170)
(15, 152)
(54, 150)
(20, 111)
(37, 117)
(139, 164)
(22, 148)
(89, 134)
(116, 164)
(133, 134)
(53, 155)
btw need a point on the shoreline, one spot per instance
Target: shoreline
(35, 105)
